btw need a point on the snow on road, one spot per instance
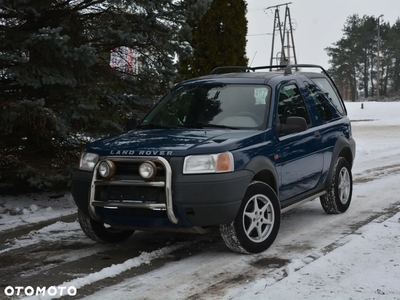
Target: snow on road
(349, 256)
(143, 258)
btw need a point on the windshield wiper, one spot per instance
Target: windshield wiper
(157, 126)
(197, 125)
(207, 125)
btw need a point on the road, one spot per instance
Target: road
(155, 265)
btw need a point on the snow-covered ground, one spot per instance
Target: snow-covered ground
(33, 208)
(360, 264)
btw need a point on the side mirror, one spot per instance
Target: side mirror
(131, 124)
(293, 125)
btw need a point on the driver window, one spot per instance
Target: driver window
(291, 104)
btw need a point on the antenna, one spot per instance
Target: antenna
(253, 58)
(285, 30)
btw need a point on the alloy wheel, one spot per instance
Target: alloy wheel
(258, 218)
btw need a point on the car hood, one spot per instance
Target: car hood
(175, 142)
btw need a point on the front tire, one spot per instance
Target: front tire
(257, 223)
(338, 198)
(99, 232)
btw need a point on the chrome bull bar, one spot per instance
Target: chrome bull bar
(168, 206)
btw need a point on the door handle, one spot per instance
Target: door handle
(317, 134)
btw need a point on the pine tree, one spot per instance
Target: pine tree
(57, 87)
(393, 46)
(218, 39)
(354, 57)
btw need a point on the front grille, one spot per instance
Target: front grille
(129, 193)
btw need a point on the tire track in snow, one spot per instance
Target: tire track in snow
(55, 264)
(190, 249)
(114, 270)
(61, 253)
(376, 173)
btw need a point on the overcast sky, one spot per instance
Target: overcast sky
(318, 24)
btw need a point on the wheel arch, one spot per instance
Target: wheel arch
(346, 153)
(264, 170)
(343, 148)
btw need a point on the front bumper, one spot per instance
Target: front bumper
(196, 200)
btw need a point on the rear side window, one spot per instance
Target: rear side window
(291, 104)
(330, 93)
(320, 102)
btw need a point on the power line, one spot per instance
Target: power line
(258, 34)
(276, 6)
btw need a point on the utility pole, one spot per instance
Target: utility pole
(288, 46)
(285, 30)
(378, 67)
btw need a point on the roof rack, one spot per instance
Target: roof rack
(246, 69)
(288, 69)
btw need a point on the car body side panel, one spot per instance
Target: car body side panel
(300, 163)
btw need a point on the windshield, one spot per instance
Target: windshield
(211, 105)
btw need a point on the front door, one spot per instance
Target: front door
(300, 154)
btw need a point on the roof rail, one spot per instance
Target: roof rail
(288, 68)
(247, 69)
(269, 67)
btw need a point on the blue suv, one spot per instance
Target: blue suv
(229, 150)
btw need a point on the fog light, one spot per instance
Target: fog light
(106, 169)
(148, 170)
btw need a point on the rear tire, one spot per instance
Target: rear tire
(338, 198)
(99, 232)
(257, 223)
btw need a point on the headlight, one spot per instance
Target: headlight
(212, 163)
(148, 170)
(88, 161)
(106, 169)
